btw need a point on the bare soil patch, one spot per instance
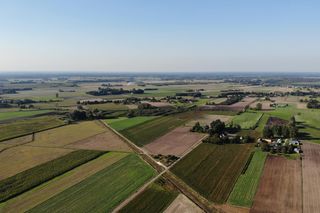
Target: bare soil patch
(175, 142)
(183, 205)
(280, 188)
(311, 177)
(106, 141)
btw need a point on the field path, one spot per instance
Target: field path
(163, 169)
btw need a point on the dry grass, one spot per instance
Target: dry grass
(65, 135)
(20, 158)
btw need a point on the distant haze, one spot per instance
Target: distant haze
(167, 35)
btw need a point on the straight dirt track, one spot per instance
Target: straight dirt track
(311, 178)
(280, 187)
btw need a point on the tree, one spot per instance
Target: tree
(259, 106)
(267, 132)
(217, 126)
(292, 121)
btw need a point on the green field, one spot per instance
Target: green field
(37, 175)
(146, 132)
(247, 120)
(308, 120)
(19, 114)
(246, 186)
(102, 191)
(262, 123)
(28, 126)
(156, 198)
(212, 170)
(124, 123)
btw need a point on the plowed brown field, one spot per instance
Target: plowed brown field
(311, 178)
(280, 188)
(175, 142)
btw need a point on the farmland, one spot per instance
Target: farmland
(22, 127)
(246, 186)
(176, 142)
(156, 198)
(20, 114)
(21, 158)
(53, 187)
(30, 178)
(207, 167)
(247, 120)
(106, 141)
(124, 123)
(102, 191)
(311, 177)
(183, 205)
(146, 132)
(65, 135)
(280, 186)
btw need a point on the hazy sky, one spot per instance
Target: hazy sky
(162, 35)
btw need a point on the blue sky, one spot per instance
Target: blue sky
(165, 35)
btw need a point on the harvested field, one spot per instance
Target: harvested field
(37, 175)
(106, 141)
(212, 170)
(102, 191)
(311, 177)
(21, 158)
(65, 135)
(265, 105)
(176, 142)
(23, 127)
(158, 104)
(244, 102)
(156, 198)
(280, 187)
(183, 205)
(206, 119)
(45, 191)
(146, 132)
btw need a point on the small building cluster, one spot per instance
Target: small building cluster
(285, 146)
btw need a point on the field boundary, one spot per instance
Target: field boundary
(22, 135)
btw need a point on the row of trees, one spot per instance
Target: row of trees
(225, 139)
(313, 104)
(114, 91)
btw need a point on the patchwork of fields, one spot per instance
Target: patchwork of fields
(246, 186)
(212, 170)
(156, 198)
(102, 191)
(125, 123)
(23, 127)
(146, 132)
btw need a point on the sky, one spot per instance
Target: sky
(162, 35)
